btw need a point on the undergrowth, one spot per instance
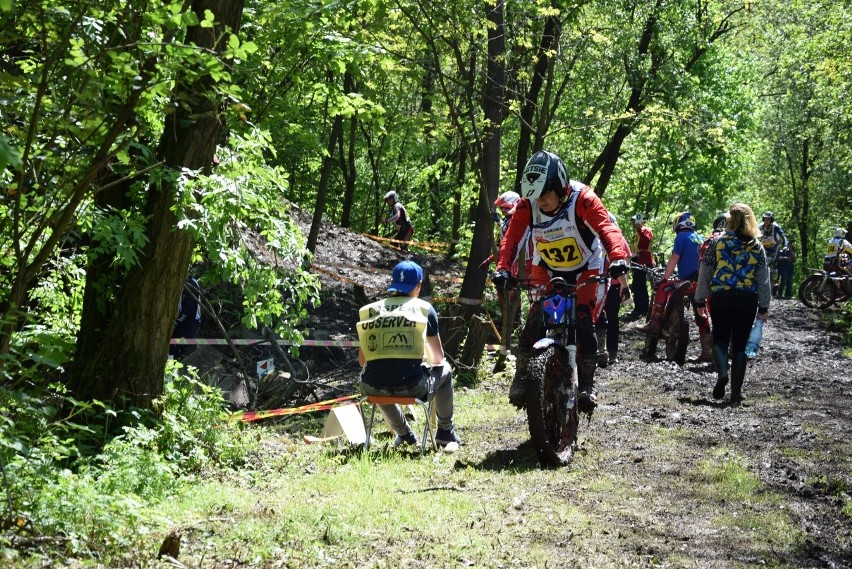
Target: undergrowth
(82, 479)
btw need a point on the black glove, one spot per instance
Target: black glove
(618, 268)
(501, 278)
(495, 217)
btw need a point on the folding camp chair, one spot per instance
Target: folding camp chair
(374, 400)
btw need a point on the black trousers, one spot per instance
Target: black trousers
(732, 314)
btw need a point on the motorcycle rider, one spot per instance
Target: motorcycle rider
(506, 203)
(837, 246)
(786, 262)
(571, 232)
(608, 328)
(773, 240)
(399, 217)
(684, 257)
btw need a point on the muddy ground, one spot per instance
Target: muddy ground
(792, 431)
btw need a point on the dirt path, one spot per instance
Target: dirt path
(700, 479)
(666, 475)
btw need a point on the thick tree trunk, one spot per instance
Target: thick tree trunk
(122, 350)
(474, 279)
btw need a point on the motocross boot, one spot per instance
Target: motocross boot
(653, 330)
(613, 356)
(720, 355)
(739, 361)
(603, 356)
(517, 391)
(586, 398)
(706, 340)
(654, 325)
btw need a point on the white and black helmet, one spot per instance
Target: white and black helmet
(839, 233)
(545, 172)
(637, 218)
(392, 194)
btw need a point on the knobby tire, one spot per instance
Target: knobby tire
(676, 330)
(814, 294)
(553, 432)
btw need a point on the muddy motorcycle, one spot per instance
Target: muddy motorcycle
(675, 327)
(824, 288)
(551, 380)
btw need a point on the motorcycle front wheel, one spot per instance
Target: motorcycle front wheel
(815, 294)
(551, 409)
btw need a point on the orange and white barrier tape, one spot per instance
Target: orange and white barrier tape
(335, 275)
(247, 342)
(320, 406)
(374, 271)
(433, 246)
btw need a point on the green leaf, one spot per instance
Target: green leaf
(9, 155)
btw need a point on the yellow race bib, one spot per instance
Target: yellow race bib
(562, 254)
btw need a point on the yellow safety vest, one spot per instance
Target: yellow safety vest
(394, 328)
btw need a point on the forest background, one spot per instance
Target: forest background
(139, 139)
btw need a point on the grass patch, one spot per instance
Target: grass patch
(758, 518)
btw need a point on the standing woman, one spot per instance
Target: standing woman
(735, 276)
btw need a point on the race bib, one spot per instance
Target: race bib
(564, 253)
(832, 249)
(768, 243)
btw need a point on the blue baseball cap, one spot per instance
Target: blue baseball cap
(406, 276)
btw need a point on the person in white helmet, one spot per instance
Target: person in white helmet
(571, 234)
(399, 217)
(506, 202)
(837, 246)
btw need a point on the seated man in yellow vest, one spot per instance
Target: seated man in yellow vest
(401, 354)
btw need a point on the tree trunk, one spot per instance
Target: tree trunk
(122, 350)
(347, 159)
(322, 191)
(549, 38)
(495, 86)
(474, 344)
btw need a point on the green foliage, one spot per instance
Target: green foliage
(228, 211)
(66, 477)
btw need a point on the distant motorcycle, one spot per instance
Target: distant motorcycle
(822, 289)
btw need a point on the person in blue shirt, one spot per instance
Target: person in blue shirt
(188, 321)
(684, 258)
(401, 354)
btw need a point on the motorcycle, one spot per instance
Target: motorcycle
(824, 288)
(675, 328)
(551, 380)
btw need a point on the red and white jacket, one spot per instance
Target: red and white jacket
(574, 239)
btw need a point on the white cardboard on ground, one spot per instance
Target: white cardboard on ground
(345, 420)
